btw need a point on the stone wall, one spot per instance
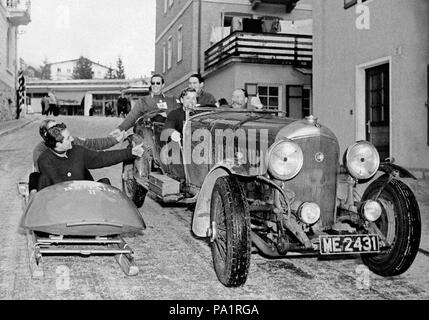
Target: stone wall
(7, 109)
(7, 70)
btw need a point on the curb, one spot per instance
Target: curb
(17, 127)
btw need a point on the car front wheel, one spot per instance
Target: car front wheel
(400, 225)
(231, 240)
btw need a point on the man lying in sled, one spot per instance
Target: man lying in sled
(63, 161)
(94, 144)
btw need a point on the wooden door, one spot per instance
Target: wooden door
(378, 109)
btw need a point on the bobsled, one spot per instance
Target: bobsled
(82, 208)
(79, 217)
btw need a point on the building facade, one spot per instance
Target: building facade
(63, 70)
(370, 75)
(13, 13)
(226, 41)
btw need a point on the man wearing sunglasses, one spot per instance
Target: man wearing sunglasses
(65, 162)
(156, 101)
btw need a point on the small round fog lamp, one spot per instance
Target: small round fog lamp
(309, 213)
(372, 210)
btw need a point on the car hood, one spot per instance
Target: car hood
(277, 127)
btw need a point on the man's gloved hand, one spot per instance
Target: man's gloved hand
(175, 136)
(138, 150)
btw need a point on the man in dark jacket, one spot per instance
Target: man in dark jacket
(123, 105)
(65, 162)
(176, 118)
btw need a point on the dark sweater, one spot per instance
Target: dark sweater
(55, 169)
(94, 144)
(175, 120)
(206, 99)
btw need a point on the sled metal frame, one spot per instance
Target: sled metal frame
(38, 246)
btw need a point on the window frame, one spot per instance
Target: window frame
(180, 43)
(9, 55)
(268, 96)
(233, 14)
(351, 3)
(164, 60)
(169, 52)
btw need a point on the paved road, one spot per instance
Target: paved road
(173, 264)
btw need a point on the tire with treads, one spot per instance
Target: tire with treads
(231, 248)
(399, 222)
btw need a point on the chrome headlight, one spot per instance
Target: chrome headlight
(309, 213)
(285, 159)
(362, 160)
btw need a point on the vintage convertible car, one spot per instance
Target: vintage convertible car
(259, 178)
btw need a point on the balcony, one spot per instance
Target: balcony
(267, 48)
(18, 11)
(290, 4)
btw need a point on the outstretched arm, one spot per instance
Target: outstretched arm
(101, 159)
(96, 143)
(135, 113)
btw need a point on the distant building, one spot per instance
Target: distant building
(13, 13)
(77, 97)
(371, 64)
(63, 70)
(264, 46)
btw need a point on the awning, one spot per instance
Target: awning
(305, 71)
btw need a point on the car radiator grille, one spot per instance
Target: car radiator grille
(317, 181)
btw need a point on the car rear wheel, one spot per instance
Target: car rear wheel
(131, 188)
(231, 240)
(400, 224)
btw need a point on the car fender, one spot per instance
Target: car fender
(394, 169)
(201, 218)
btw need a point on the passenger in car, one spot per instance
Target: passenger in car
(157, 100)
(239, 99)
(204, 98)
(65, 162)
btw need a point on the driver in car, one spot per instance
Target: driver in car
(65, 162)
(176, 118)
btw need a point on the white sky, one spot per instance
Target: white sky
(101, 30)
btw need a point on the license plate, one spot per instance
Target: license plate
(349, 244)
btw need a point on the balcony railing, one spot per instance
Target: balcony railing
(18, 11)
(266, 48)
